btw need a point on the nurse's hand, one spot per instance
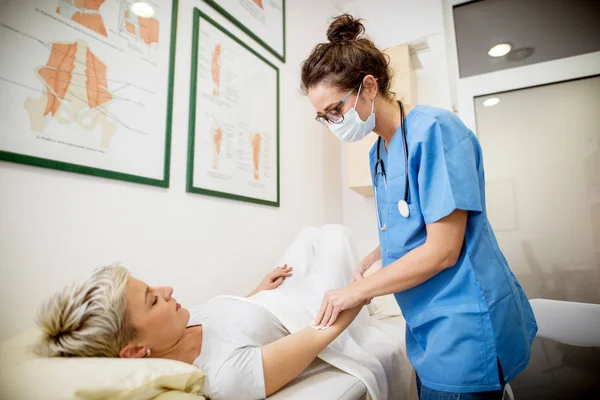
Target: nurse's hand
(362, 270)
(336, 301)
(359, 270)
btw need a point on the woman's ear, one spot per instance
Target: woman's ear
(370, 86)
(133, 351)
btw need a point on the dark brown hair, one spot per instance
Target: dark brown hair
(346, 59)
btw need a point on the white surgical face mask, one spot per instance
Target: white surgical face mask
(352, 128)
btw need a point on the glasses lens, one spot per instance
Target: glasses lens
(334, 116)
(321, 119)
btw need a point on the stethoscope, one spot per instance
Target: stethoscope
(402, 204)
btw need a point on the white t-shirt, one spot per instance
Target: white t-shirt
(233, 332)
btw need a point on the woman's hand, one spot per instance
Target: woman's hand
(273, 279)
(336, 301)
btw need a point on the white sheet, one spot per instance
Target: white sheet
(323, 259)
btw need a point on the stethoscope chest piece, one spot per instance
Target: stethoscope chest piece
(403, 208)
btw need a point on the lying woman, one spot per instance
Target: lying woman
(244, 350)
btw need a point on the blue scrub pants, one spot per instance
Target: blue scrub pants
(429, 394)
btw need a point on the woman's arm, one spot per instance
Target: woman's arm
(273, 279)
(288, 357)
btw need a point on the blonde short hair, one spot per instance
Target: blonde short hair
(87, 319)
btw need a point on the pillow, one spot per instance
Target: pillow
(24, 375)
(383, 306)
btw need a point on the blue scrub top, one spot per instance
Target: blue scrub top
(466, 318)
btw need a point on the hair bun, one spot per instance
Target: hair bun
(344, 28)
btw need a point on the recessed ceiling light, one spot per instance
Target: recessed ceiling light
(492, 101)
(142, 9)
(500, 50)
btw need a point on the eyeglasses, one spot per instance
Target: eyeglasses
(334, 115)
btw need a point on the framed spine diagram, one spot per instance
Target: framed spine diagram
(87, 86)
(233, 146)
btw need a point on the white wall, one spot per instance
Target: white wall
(389, 23)
(57, 226)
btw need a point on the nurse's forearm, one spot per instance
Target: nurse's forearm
(414, 268)
(441, 250)
(372, 257)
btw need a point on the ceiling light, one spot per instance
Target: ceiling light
(492, 101)
(142, 9)
(500, 50)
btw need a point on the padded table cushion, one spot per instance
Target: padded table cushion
(322, 381)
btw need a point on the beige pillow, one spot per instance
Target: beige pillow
(24, 375)
(383, 307)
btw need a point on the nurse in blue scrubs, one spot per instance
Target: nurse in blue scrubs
(469, 324)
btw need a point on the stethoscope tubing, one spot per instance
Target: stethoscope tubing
(379, 163)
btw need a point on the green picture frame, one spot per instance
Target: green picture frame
(280, 55)
(193, 118)
(110, 174)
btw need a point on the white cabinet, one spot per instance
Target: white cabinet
(403, 85)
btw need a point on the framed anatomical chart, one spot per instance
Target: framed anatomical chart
(233, 146)
(262, 20)
(86, 86)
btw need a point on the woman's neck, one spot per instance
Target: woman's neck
(187, 349)
(387, 118)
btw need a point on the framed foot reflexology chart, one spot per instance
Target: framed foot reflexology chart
(233, 145)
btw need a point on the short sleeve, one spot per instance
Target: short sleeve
(241, 376)
(448, 177)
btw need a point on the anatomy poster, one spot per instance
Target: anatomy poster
(85, 86)
(234, 110)
(263, 20)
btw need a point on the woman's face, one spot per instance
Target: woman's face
(159, 320)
